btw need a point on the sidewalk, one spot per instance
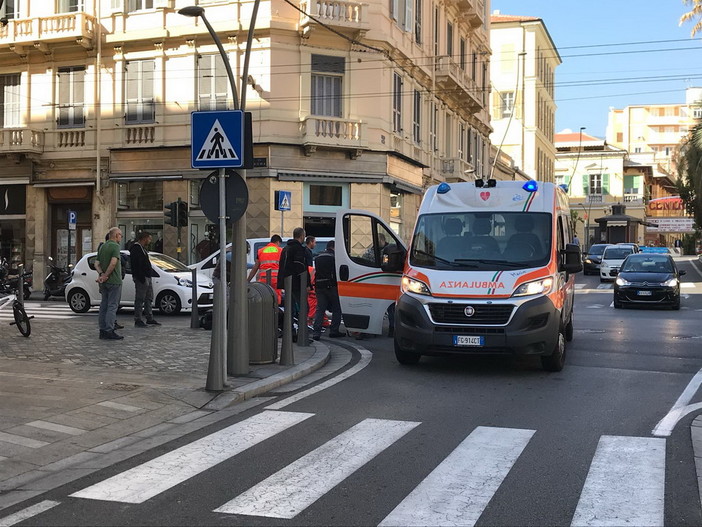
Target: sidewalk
(71, 404)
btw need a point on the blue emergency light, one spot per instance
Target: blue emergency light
(530, 186)
(443, 188)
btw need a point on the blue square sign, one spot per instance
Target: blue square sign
(217, 139)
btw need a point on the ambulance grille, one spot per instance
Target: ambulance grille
(495, 314)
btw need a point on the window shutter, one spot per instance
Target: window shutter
(409, 18)
(586, 185)
(605, 183)
(566, 180)
(394, 8)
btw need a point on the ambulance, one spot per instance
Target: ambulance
(489, 270)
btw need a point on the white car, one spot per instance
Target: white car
(612, 259)
(172, 287)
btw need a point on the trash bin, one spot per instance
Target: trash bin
(263, 323)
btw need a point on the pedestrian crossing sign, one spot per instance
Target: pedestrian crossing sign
(217, 139)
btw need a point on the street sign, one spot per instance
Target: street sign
(217, 139)
(72, 218)
(283, 200)
(236, 197)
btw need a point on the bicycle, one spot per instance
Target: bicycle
(20, 315)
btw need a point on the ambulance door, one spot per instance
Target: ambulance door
(364, 247)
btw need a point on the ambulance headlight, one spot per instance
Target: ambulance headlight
(410, 285)
(537, 287)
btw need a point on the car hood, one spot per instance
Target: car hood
(612, 263)
(651, 278)
(202, 279)
(594, 257)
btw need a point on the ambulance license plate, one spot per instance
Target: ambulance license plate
(463, 340)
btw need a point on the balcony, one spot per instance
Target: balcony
(594, 198)
(23, 33)
(457, 84)
(472, 11)
(633, 199)
(333, 132)
(21, 141)
(347, 17)
(454, 170)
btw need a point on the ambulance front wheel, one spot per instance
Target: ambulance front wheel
(556, 360)
(405, 357)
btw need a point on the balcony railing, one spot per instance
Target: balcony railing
(140, 135)
(332, 131)
(456, 81)
(338, 14)
(21, 141)
(595, 198)
(633, 198)
(454, 170)
(40, 31)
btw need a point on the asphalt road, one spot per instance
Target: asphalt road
(516, 445)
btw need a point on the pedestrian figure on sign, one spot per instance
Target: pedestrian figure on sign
(217, 149)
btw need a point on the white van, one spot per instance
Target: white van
(489, 270)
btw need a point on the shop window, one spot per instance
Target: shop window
(321, 197)
(195, 193)
(140, 195)
(12, 240)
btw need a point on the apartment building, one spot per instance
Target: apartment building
(522, 106)
(354, 104)
(655, 129)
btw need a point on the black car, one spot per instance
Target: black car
(593, 258)
(648, 279)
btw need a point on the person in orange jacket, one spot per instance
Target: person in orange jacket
(267, 263)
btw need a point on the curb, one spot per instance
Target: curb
(696, 436)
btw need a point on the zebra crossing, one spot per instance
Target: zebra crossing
(625, 484)
(48, 311)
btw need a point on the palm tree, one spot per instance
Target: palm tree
(689, 182)
(694, 14)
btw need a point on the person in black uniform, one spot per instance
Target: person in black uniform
(327, 293)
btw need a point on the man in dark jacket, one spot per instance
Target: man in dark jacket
(327, 293)
(142, 272)
(293, 262)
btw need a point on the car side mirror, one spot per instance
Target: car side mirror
(393, 261)
(572, 261)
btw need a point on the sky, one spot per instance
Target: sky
(615, 53)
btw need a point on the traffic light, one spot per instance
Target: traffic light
(182, 214)
(171, 215)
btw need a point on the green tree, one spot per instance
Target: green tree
(695, 14)
(689, 184)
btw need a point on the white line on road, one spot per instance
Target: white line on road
(294, 488)
(666, 425)
(459, 489)
(366, 357)
(27, 513)
(625, 484)
(153, 477)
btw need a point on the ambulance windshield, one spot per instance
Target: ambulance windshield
(482, 240)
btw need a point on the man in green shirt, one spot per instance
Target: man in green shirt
(109, 266)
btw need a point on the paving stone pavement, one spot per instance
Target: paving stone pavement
(71, 404)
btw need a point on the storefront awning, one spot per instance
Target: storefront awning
(53, 184)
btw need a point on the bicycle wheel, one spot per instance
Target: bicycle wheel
(21, 319)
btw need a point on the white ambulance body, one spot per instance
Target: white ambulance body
(490, 269)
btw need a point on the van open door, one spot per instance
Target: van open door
(369, 263)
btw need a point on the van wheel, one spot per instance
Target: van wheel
(556, 360)
(569, 329)
(405, 357)
(168, 303)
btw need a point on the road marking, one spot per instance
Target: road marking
(366, 357)
(579, 286)
(291, 490)
(119, 406)
(27, 513)
(604, 286)
(46, 425)
(625, 484)
(594, 306)
(164, 472)
(680, 409)
(21, 440)
(459, 489)
(687, 285)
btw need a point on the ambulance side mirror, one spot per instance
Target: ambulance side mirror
(571, 259)
(393, 261)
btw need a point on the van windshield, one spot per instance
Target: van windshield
(482, 240)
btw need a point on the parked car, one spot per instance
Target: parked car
(593, 258)
(172, 286)
(648, 279)
(634, 246)
(612, 259)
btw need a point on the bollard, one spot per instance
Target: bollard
(302, 333)
(287, 357)
(194, 315)
(20, 284)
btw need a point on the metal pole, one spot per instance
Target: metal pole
(20, 284)
(282, 229)
(287, 357)
(194, 315)
(302, 336)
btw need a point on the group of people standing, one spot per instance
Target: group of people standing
(108, 264)
(275, 262)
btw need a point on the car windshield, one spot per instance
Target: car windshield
(596, 250)
(482, 240)
(166, 263)
(648, 264)
(617, 253)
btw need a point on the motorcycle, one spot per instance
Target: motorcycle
(9, 282)
(56, 281)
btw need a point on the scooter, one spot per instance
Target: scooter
(9, 283)
(56, 281)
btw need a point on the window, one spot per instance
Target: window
(620, 137)
(69, 6)
(326, 195)
(401, 12)
(436, 31)
(136, 5)
(9, 9)
(595, 184)
(320, 197)
(417, 117)
(449, 39)
(327, 74)
(461, 140)
(462, 54)
(212, 83)
(697, 113)
(141, 107)
(365, 239)
(140, 195)
(10, 100)
(433, 118)
(397, 103)
(418, 21)
(507, 103)
(71, 86)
